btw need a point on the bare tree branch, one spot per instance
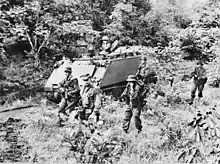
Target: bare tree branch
(44, 42)
(28, 36)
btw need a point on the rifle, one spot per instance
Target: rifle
(73, 103)
(18, 108)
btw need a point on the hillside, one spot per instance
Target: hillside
(35, 34)
(165, 134)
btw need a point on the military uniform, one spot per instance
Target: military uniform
(70, 92)
(146, 74)
(133, 96)
(90, 99)
(200, 78)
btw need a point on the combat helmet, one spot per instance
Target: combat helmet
(105, 38)
(131, 78)
(68, 70)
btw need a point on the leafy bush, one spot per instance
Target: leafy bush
(197, 43)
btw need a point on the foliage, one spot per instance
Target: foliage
(201, 37)
(94, 149)
(205, 133)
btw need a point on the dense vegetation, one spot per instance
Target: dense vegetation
(36, 33)
(33, 34)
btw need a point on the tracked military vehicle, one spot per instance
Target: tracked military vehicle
(108, 74)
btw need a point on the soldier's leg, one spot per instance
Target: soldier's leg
(97, 114)
(200, 89)
(137, 120)
(88, 112)
(127, 118)
(62, 106)
(79, 105)
(193, 90)
(57, 96)
(143, 95)
(81, 117)
(98, 106)
(82, 113)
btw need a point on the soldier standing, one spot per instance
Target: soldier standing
(89, 99)
(200, 78)
(132, 93)
(144, 73)
(70, 92)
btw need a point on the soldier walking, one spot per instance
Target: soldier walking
(70, 92)
(200, 78)
(145, 73)
(132, 94)
(89, 99)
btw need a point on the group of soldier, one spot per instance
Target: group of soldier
(73, 97)
(85, 99)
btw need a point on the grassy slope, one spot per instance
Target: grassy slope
(162, 138)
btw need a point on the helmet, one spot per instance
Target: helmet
(68, 69)
(200, 62)
(85, 77)
(131, 78)
(105, 38)
(143, 58)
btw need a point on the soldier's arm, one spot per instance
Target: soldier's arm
(147, 72)
(136, 93)
(61, 84)
(58, 64)
(75, 87)
(125, 91)
(194, 73)
(92, 98)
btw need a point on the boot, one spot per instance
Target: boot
(126, 131)
(139, 131)
(200, 95)
(60, 122)
(97, 117)
(191, 101)
(76, 116)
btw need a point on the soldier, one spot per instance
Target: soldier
(144, 73)
(70, 92)
(200, 78)
(132, 94)
(64, 60)
(89, 98)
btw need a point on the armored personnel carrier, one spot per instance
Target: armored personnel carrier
(108, 74)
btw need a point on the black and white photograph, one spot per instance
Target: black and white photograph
(110, 81)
